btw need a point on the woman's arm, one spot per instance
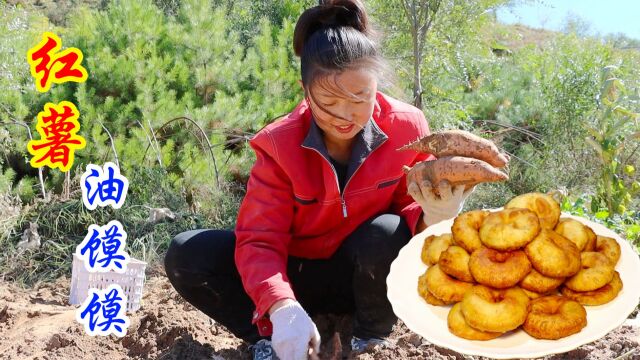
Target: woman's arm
(421, 226)
(280, 303)
(403, 204)
(262, 229)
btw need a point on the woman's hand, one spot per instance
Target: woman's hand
(439, 208)
(293, 331)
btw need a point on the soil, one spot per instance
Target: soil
(38, 323)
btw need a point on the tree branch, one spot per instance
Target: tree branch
(158, 154)
(210, 148)
(113, 147)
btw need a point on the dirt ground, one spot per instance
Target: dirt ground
(38, 323)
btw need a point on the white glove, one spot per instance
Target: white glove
(439, 208)
(293, 333)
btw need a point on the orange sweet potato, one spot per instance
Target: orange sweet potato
(459, 143)
(456, 169)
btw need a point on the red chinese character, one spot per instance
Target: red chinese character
(50, 66)
(58, 126)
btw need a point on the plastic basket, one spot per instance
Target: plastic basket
(131, 281)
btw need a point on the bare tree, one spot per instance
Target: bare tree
(420, 26)
(420, 14)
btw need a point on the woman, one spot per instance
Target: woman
(327, 207)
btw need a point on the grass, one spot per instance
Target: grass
(63, 224)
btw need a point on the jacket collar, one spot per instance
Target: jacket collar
(366, 141)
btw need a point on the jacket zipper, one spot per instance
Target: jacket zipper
(344, 204)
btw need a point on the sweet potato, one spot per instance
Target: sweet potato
(456, 169)
(459, 143)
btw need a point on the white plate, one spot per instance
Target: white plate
(431, 321)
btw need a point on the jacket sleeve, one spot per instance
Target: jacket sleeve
(403, 204)
(262, 229)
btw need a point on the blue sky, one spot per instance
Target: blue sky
(603, 16)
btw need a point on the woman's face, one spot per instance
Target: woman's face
(343, 103)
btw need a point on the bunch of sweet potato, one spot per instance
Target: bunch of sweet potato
(462, 158)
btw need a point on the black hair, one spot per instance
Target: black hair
(333, 37)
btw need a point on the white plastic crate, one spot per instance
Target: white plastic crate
(131, 281)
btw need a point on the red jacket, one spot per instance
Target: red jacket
(293, 204)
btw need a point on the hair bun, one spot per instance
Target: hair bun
(343, 13)
(328, 14)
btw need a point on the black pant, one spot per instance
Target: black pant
(200, 265)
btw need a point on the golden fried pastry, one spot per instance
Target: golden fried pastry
(534, 295)
(433, 246)
(498, 269)
(433, 300)
(538, 283)
(576, 232)
(596, 272)
(554, 317)
(444, 287)
(596, 297)
(426, 295)
(608, 247)
(465, 229)
(547, 209)
(455, 262)
(553, 255)
(459, 327)
(509, 229)
(495, 310)
(591, 244)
